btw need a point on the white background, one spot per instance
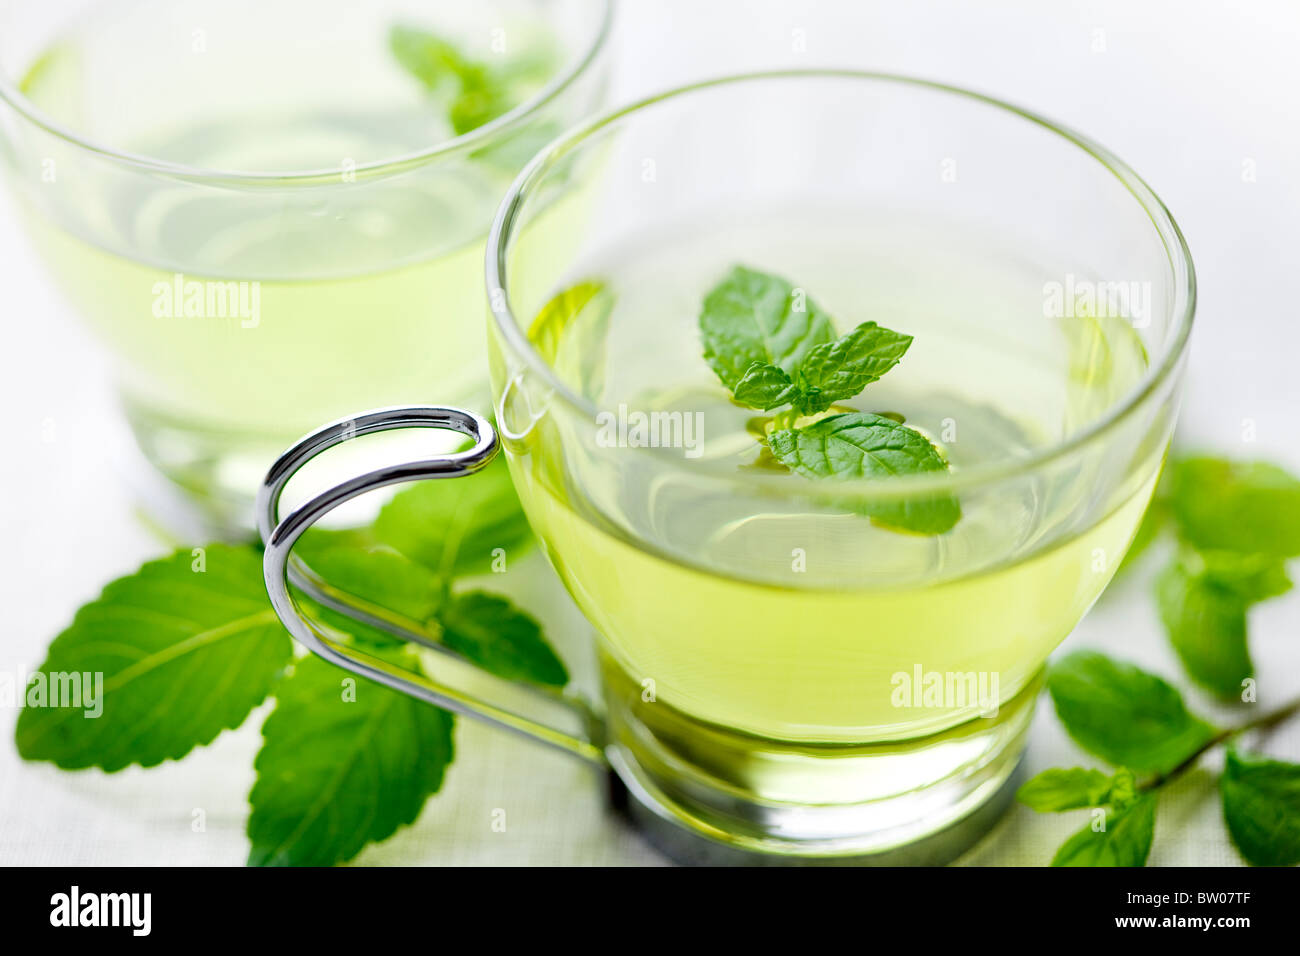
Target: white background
(1188, 93)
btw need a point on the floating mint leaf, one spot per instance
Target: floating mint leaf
(427, 57)
(187, 647)
(771, 346)
(765, 387)
(1123, 714)
(478, 95)
(496, 635)
(751, 317)
(1261, 806)
(578, 317)
(1060, 789)
(1251, 507)
(1125, 841)
(344, 762)
(456, 527)
(841, 369)
(863, 445)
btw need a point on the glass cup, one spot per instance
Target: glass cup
(274, 213)
(787, 675)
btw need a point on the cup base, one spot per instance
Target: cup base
(705, 795)
(688, 843)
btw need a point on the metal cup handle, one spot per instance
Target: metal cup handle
(279, 536)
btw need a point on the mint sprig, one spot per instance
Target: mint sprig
(1234, 525)
(772, 346)
(1139, 723)
(189, 645)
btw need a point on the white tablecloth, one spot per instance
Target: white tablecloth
(1187, 92)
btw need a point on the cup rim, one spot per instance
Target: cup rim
(475, 138)
(1180, 259)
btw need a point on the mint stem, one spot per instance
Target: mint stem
(1263, 722)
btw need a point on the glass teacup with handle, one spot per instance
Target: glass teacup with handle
(265, 210)
(835, 399)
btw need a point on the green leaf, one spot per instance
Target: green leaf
(351, 561)
(1206, 624)
(478, 95)
(843, 368)
(1251, 507)
(571, 332)
(1123, 789)
(184, 653)
(452, 527)
(499, 637)
(378, 578)
(336, 773)
(1252, 577)
(1125, 841)
(1060, 789)
(752, 317)
(1123, 714)
(427, 57)
(1261, 806)
(764, 386)
(863, 445)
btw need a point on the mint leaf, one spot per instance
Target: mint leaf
(764, 386)
(1125, 841)
(863, 445)
(1206, 624)
(751, 317)
(1060, 789)
(455, 527)
(183, 653)
(1261, 806)
(374, 576)
(427, 57)
(771, 346)
(344, 762)
(1252, 577)
(484, 628)
(578, 318)
(493, 633)
(354, 562)
(843, 368)
(1251, 507)
(478, 95)
(1123, 714)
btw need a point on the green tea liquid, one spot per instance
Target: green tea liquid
(353, 291)
(790, 622)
